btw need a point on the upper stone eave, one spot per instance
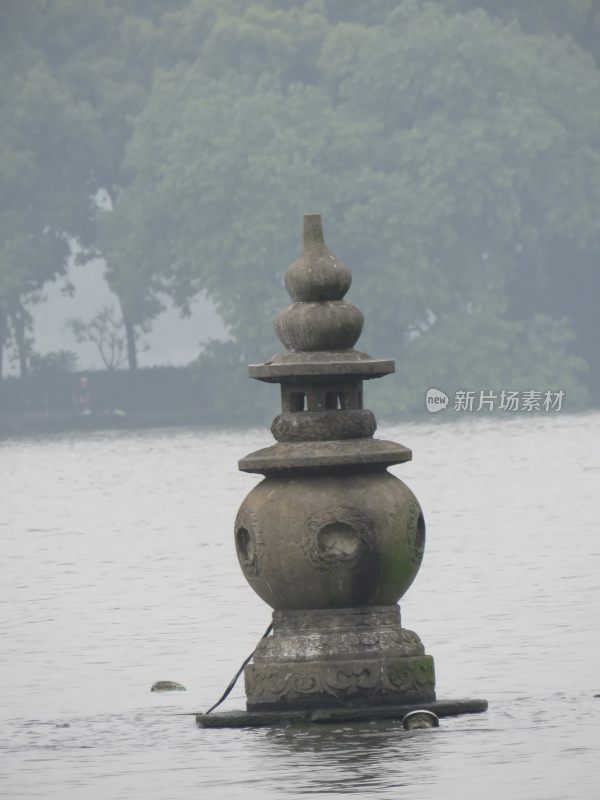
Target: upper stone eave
(320, 364)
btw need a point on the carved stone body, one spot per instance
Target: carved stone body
(335, 541)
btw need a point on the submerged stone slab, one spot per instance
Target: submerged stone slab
(256, 719)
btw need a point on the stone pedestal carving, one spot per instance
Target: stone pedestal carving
(329, 539)
(344, 657)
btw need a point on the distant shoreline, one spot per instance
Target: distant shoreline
(16, 425)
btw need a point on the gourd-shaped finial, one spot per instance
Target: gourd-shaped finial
(317, 281)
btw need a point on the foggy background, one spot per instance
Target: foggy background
(156, 159)
(173, 339)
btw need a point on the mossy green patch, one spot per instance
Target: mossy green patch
(396, 572)
(414, 675)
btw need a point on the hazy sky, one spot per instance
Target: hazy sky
(173, 340)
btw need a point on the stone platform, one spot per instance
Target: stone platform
(257, 719)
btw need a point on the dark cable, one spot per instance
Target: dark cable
(227, 691)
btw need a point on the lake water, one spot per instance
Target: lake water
(119, 570)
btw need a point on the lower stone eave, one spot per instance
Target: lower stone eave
(353, 453)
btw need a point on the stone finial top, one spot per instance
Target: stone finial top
(316, 275)
(313, 229)
(319, 319)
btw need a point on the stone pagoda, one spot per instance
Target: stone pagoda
(329, 539)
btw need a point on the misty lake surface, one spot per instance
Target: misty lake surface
(119, 569)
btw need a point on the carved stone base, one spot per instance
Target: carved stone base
(347, 657)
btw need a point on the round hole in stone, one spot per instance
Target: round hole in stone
(338, 540)
(244, 542)
(420, 539)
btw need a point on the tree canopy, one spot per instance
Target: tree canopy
(452, 147)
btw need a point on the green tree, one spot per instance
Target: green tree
(75, 72)
(453, 148)
(105, 54)
(106, 331)
(452, 152)
(579, 19)
(44, 145)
